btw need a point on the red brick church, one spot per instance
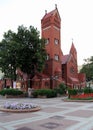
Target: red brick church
(59, 68)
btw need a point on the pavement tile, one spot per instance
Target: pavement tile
(24, 128)
(52, 109)
(57, 117)
(71, 105)
(81, 113)
(50, 123)
(8, 117)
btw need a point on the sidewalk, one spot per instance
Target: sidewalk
(55, 114)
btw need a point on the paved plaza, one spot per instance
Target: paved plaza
(55, 114)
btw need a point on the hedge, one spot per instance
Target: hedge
(45, 92)
(13, 92)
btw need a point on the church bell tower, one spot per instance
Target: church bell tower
(51, 32)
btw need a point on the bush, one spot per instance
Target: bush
(80, 91)
(35, 93)
(88, 90)
(51, 93)
(44, 92)
(72, 91)
(13, 92)
(57, 90)
(61, 89)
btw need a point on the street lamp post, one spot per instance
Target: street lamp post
(11, 69)
(52, 80)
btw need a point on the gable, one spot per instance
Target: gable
(48, 15)
(52, 13)
(56, 14)
(65, 59)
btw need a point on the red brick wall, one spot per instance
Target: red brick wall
(51, 29)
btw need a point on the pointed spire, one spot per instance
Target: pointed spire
(72, 44)
(72, 47)
(45, 11)
(55, 6)
(72, 40)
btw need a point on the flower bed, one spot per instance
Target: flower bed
(82, 96)
(19, 107)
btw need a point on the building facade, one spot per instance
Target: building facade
(58, 68)
(70, 73)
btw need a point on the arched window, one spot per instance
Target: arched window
(47, 57)
(56, 57)
(56, 41)
(47, 41)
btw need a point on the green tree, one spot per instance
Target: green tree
(24, 49)
(88, 68)
(8, 57)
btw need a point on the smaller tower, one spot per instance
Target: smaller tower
(73, 55)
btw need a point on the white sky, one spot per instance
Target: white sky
(76, 21)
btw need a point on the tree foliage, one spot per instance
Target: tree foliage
(88, 68)
(24, 49)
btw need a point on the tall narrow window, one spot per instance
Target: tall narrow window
(47, 57)
(72, 70)
(56, 41)
(46, 66)
(47, 41)
(63, 72)
(56, 57)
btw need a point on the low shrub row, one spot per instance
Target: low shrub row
(61, 89)
(72, 91)
(44, 92)
(11, 91)
(86, 90)
(85, 93)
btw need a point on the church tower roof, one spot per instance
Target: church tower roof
(51, 13)
(72, 49)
